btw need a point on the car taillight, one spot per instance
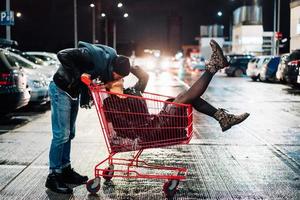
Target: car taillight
(5, 79)
(294, 62)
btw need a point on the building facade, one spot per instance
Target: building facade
(295, 25)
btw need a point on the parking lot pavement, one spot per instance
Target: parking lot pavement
(256, 160)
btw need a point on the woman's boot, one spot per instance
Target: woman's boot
(227, 120)
(217, 60)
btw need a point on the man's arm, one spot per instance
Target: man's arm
(142, 76)
(72, 59)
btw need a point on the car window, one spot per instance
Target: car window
(244, 61)
(16, 62)
(267, 60)
(45, 58)
(295, 55)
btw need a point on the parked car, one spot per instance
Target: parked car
(42, 66)
(36, 81)
(269, 69)
(13, 91)
(47, 57)
(293, 68)
(7, 43)
(254, 67)
(234, 55)
(298, 78)
(238, 66)
(282, 68)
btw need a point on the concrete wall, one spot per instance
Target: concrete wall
(247, 39)
(295, 25)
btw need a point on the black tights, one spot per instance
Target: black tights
(193, 95)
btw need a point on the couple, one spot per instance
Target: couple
(99, 61)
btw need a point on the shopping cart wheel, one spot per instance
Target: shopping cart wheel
(170, 188)
(107, 174)
(93, 185)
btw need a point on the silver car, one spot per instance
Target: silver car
(37, 82)
(49, 58)
(254, 67)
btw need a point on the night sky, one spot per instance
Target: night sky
(48, 25)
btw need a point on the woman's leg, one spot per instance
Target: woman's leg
(216, 62)
(196, 91)
(204, 107)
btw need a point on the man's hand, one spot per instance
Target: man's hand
(86, 78)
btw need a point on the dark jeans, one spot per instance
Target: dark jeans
(64, 111)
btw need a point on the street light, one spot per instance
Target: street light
(125, 15)
(103, 15)
(18, 14)
(219, 13)
(120, 5)
(92, 5)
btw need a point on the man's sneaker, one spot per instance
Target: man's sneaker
(72, 177)
(55, 184)
(217, 60)
(228, 120)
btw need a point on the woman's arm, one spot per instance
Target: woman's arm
(142, 76)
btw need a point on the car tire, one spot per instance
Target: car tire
(258, 77)
(254, 78)
(238, 73)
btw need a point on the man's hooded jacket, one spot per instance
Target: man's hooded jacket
(96, 60)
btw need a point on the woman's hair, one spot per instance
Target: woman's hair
(121, 65)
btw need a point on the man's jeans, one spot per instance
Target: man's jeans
(64, 111)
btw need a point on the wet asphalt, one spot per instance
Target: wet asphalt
(259, 159)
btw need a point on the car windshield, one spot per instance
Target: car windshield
(33, 59)
(16, 62)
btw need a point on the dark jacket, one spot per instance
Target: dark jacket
(96, 60)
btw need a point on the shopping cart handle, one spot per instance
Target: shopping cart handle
(86, 80)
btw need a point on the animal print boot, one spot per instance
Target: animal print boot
(217, 60)
(227, 120)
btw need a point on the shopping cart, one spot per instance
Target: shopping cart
(135, 123)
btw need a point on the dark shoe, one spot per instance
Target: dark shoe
(228, 120)
(55, 184)
(72, 177)
(217, 60)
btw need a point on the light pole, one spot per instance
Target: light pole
(93, 23)
(276, 26)
(103, 15)
(75, 24)
(8, 32)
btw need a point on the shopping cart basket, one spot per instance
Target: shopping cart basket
(135, 123)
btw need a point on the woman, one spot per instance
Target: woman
(119, 103)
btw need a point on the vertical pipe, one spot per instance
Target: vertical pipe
(75, 25)
(8, 32)
(278, 23)
(106, 31)
(115, 35)
(93, 25)
(274, 30)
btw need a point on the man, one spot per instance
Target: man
(94, 61)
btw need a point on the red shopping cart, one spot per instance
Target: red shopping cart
(135, 123)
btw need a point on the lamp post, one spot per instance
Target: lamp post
(75, 24)
(93, 23)
(103, 15)
(8, 32)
